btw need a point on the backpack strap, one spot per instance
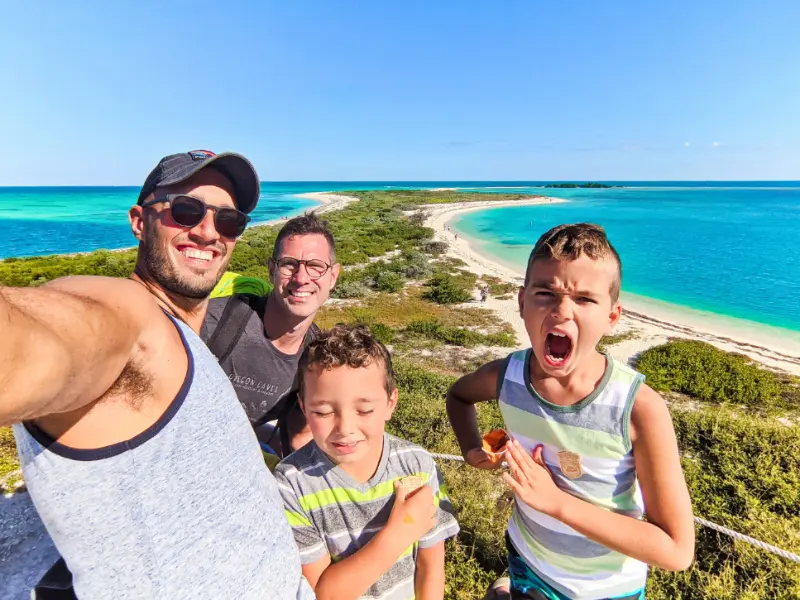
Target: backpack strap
(292, 397)
(231, 324)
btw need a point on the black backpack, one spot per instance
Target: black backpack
(230, 328)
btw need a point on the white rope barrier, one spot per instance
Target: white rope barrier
(730, 532)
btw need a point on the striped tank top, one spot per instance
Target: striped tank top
(603, 473)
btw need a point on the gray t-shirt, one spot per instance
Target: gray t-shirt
(184, 510)
(262, 375)
(332, 514)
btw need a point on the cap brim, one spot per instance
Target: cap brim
(242, 174)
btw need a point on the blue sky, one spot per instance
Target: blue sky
(94, 93)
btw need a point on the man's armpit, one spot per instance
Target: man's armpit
(133, 386)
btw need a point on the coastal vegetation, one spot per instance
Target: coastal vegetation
(739, 456)
(707, 373)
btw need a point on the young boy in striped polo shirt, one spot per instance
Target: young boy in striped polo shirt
(369, 511)
(591, 446)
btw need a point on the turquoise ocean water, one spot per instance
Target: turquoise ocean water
(724, 247)
(36, 221)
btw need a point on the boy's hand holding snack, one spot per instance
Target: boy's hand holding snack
(490, 455)
(414, 511)
(531, 480)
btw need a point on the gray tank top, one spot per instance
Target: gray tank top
(186, 509)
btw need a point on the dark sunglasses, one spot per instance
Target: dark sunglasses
(289, 266)
(188, 211)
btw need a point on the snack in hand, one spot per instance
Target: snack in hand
(411, 483)
(494, 442)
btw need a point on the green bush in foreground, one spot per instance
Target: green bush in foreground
(742, 472)
(707, 373)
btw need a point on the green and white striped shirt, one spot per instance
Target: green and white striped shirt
(597, 431)
(332, 514)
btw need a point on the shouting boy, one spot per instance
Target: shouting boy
(369, 511)
(591, 447)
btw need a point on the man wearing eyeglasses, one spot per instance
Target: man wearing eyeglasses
(262, 360)
(133, 444)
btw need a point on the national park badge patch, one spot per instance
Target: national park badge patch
(570, 464)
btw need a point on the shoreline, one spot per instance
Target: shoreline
(653, 321)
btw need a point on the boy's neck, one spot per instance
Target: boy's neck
(365, 469)
(571, 389)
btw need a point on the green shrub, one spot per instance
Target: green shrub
(427, 327)
(505, 339)
(445, 289)
(435, 248)
(23, 272)
(459, 336)
(618, 338)
(389, 281)
(418, 218)
(707, 373)
(382, 333)
(8, 452)
(455, 336)
(414, 264)
(743, 473)
(349, 289)
(503, 288)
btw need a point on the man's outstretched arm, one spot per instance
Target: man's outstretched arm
(63, 345)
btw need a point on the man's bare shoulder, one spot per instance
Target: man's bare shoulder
(102, 289)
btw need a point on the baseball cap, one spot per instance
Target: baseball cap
(180, 167)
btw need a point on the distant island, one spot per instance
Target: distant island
(580, 185)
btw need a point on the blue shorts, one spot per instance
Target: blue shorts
(527, 585)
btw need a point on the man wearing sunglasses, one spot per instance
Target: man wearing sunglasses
(133, 444)
(259, 340)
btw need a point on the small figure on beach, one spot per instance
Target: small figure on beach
(484, 293)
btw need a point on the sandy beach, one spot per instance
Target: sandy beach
(328, 202)
(652, 321)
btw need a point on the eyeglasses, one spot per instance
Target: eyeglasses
(188, 211)
(289, 266)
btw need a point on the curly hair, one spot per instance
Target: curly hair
(353, 346)
(569, 242)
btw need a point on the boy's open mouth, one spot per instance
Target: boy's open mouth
(557, 348)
